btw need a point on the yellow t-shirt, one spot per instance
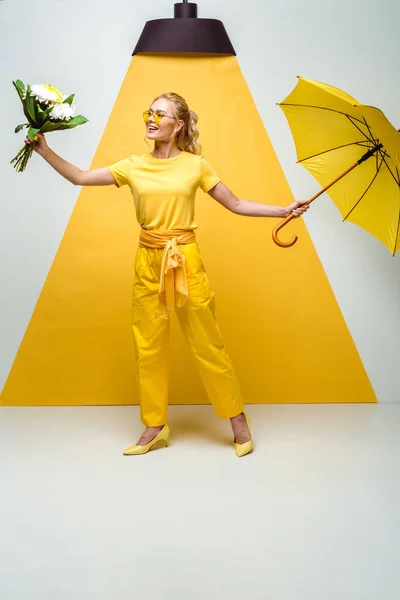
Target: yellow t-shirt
(164, 189)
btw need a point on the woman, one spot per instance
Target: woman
(169, 272)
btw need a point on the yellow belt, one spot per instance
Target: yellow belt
(173, 289)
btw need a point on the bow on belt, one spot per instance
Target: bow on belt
(173, 279)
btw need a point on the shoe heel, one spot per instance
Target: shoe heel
(160, 444)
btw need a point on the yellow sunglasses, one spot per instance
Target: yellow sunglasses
(157, 116)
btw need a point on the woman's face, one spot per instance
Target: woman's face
(162, 131)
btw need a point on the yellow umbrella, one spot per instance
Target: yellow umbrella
(335, 133)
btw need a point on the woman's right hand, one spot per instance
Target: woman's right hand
(40, 145)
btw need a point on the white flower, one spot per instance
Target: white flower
(46, 94)
(64, 112)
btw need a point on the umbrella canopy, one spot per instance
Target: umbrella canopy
(333, 133)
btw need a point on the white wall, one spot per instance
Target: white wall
(85, 47)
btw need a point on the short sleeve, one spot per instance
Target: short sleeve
(121, 169)
(208, 177)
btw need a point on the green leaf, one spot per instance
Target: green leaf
(30, 108)
(32, 131)
(61, 125)
(77, 120)
(43, 114)
(19, 127)
(53, 126)
(49, 126)
(69, 100)
(20, 87)
(27, 115)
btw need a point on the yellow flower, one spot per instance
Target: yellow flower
(55, 91)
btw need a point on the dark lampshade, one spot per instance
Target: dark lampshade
(185, 33)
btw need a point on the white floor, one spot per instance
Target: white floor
(313, 513)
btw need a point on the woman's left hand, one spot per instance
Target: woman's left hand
(298, 208)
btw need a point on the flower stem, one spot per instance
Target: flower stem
(22, 158)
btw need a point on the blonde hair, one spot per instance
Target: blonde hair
(187, 138)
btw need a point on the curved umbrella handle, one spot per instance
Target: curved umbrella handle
(278, 228)
(290, 217)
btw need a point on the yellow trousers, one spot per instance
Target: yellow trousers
(151, 324)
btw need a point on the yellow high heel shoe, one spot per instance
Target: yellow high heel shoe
(159, 441)
(247, 447)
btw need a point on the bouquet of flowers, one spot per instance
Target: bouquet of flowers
(46, 109)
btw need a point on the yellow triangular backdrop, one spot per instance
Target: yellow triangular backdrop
(282, 325)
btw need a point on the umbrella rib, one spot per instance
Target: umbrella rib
(375, 142)
(370, 139)
(366, 190)
(349, 117)
(369, 129)
(397, 235)
(330, 150)
(339, 112)
(390, 170)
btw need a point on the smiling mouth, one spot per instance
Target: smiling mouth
(152, 128)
